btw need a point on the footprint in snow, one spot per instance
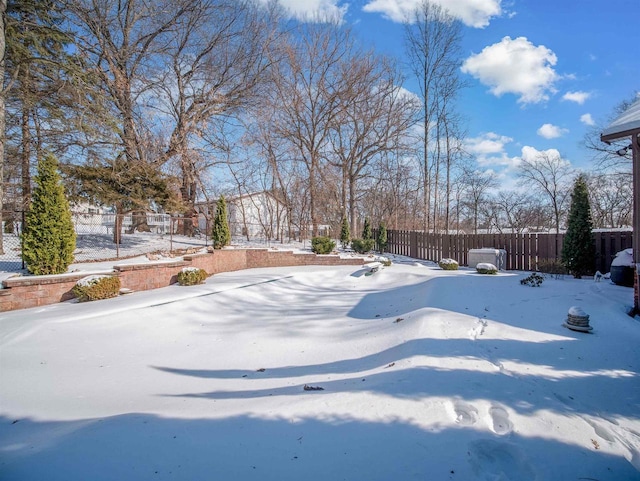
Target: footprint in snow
(478, 329)
(466, 414)
(501, 424)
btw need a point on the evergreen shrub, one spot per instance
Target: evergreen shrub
(220, 233)
(448, 264)
(486, 268)
(382, 237)
(366, 230)
(345, 234)
(322, 245)
(190, 276)
(362, 246)
(578, 248)
(534, 280)
(93, 288)
(49, 237)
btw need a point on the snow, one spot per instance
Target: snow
(623, 258)
(91, 280)
(425, 374)
(577, 311)
(447, 261)
(486, 266)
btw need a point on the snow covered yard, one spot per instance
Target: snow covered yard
(425, 374)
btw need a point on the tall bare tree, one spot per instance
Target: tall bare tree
(307, 92)
(121, 41)
(432, 38)
(549, 172)
(477, 190)
(611, 198)
(375, 119)
(217, 56)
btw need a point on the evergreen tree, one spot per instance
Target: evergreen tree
(382, 237)
(578, 249)
(345, 234)
(49, 238)
(366, 230)
(220, 234)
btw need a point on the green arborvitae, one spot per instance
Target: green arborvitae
(382, 237)
(220, 235)
(49, 238)
(578, 249)
(345, 234)
(366, 230)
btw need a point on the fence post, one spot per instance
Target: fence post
(413, 244)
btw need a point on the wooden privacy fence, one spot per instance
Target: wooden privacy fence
(527, 252)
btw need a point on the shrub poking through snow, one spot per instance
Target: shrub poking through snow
(362, 246)
(381, 238)
(486, 268)
(93, 288)
(322, 245)
(385, 261)
(345, 233)
(190, 276)
(448, 264)
(534, 280)
(220, 233)
(366, 230)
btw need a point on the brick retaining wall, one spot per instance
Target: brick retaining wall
(34, 291)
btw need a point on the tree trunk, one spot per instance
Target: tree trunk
(117, 224)
(139, 222)
(3, 9)
(25, 159)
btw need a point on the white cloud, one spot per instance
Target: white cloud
(587, 119)
(489, 143)
(550, 131)
(577, 97)
(489, 150)
(515, 66)
(533, 155)
(315, 10)
(473, 13)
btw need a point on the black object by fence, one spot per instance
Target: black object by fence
(527, 252)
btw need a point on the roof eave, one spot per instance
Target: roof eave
(616, 135)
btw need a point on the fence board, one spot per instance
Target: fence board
(524, 251)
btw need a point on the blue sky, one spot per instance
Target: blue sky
(540, 71)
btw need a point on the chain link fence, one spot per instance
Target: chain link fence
(97, 236)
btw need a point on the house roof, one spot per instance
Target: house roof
(625, 125)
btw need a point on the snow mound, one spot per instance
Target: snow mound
(623, 258)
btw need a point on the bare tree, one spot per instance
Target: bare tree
(374, 121)
(549, 172)
(476, 194)
(614, 157)
(217, 56)
(515, 211)
(121, 41)
(307, 93)
(432, 38)
(611, 199)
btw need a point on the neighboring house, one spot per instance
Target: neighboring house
(256, 215)
(88, 218)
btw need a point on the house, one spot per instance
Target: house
(258, 215)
